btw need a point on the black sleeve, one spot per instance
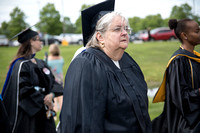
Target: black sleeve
(179, 81)
(184, 97)
(57, 88)
(84, 98)
(30, 100)
(181, 109)
(5, 126)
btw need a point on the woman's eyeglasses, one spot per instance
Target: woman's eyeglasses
(38, 39)
(121, 29)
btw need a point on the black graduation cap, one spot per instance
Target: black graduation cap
(25, 35)
(91, 15)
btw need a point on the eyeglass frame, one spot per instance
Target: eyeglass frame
(121, 29)
(37, 39)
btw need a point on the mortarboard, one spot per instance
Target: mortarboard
(91, 15)
(25, 35)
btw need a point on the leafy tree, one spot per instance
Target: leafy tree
(50, 20)
(15, 25)
(78, 22)
(4, 27)
(135, 23)
(196, 18)
(184, 11)
(165, 22)
(152, 21)
(68, 26)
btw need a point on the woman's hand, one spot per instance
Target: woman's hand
(48, 101)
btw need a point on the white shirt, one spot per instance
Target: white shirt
(116, 63)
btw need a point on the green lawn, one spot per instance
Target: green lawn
(152, 57)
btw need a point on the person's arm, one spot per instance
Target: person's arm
(48, 100)
(57, 89)
(84, 100)
(183, 95)
(30, 99)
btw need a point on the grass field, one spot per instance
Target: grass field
(152, 57)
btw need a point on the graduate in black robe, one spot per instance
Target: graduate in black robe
(180, 89)
(104, 94)
(29, 89)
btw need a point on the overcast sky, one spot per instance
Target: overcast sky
(71, 8)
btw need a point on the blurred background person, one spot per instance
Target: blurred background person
(180, 89)
(149, 33)
(105, 90)
(29, 88)
(56, 62)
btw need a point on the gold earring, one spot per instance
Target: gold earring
(102, 45)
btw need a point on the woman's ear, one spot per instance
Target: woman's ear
(31, 42)
(99, 37)
(183, 36)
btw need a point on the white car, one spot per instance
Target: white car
(71, 38)
(4, 40)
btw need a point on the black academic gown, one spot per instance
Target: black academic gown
(4, 120)
(181, 111)
(23, 103)
(101, 98)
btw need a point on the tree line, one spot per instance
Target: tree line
(50, 21)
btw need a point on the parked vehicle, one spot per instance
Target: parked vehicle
(50, 39)
(131, 37)
(3, 40)
(138, 35)
(71, 38)
(162, 33)
(14, 43)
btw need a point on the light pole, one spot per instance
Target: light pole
(194, 7)
(63, 26)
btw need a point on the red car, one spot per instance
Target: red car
(162, 33)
